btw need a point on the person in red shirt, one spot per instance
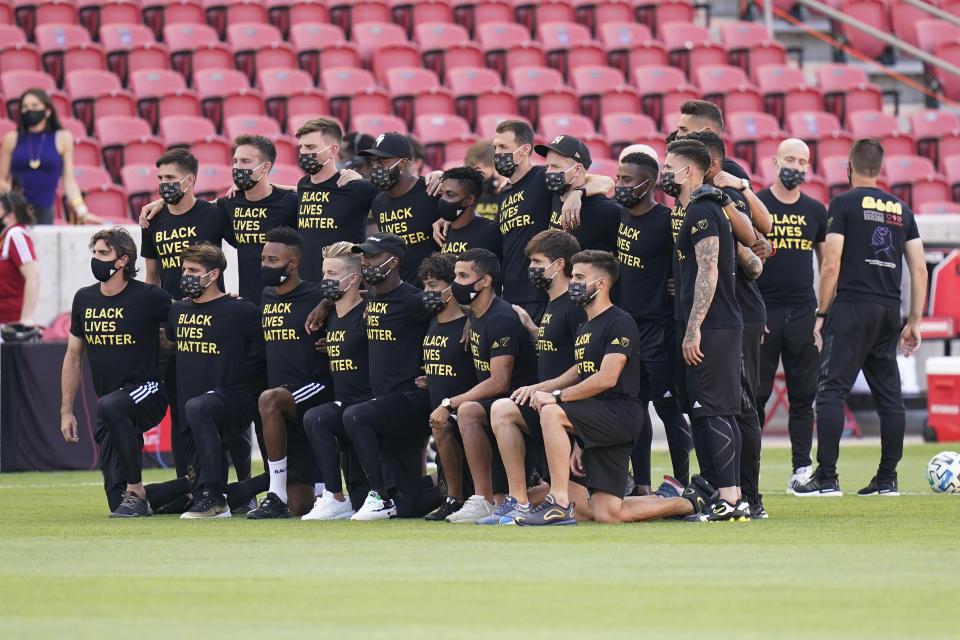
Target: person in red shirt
(19, 273)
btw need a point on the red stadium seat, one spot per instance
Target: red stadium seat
(478, 91)
(290, 89)
(322, 46)
(68, 47)
(750, 46)
(937, 133)
(603, 166)
(417, 91)
(950, 166)
(846, 89)
(126, 140)
(374, 125)
(816, 187)
(446, 47)
(935, 32)
(471, 13)
(630, 45)
(297, 120)
(654, 13)
(140, 181)
(285, 174)
(194, 47)
(30, 13)
(347, 13)
(222, 14)
(131, 47)
(914, 180)
(755, 136)
(199, 135)
(934, 207)
(161, 94)
(569, 46)
(602, 90)
(259, 46)
(834, 172)
(14, 83)
(91, 177)
(905, 20)
(92, 14)
(96, 94)
(101, 196)
(595, 13)
(445, 137)
(16, 54)
(662, 90)
(822, 131)
(408, 13)
(690, 47)
(728, 87)
(533, 13)
(541, 91)
(6, 126)
(265, 126)
(285, 13)
(384, 46)
(353, 91)
(508, 46)
(871, 12)
(225, 93)
(487, 124)
(159, 13)
(555, 124)
(946, 81)
(213, 180)
(877, 124)
(785, 90)
(623, 129)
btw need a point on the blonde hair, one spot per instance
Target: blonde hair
(343, 251)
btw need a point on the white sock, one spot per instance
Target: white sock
(278, 478)
(318, 488)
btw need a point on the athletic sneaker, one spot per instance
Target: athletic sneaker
(244, 508)
(800, 476)
(518, 510)
(271, 508)
(450, 505)
(504, 510)
(700, 493)
(329, 508)
(722, 511)
(473, 509)
(818, 488)
(375, 508)
(757, 512)
(208, 505)
(547, 513)
(880, 488)
(669, 488)
(132, 506)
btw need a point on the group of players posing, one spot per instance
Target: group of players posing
(529, 348)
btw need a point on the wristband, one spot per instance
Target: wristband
(821, 314)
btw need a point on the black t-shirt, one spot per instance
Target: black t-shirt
(348, 354)
(705, 219)
(121, 333)
(170, 234)
(396, 323)
(613, 331)
(292, 357)
(751, 304)
(481, 233)
(411, 217)
(645, 251)
(498, 332)
(676, 219)
(787, 278)
(488, 205)
(219, 345)
(327, 214)
(449, 367)
(599, 220)
(734, 169)
(250, 222)
(524, 212)
(555, 338)
(876, 226)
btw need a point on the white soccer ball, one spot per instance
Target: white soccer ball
(943, 472)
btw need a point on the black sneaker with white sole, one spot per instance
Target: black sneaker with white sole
(880, 488)
(132, 506)
(246, 507)
(757, 512)
(817, 487)
(700, 493)
(722, 511)
(208, 505)
(271, 508)
(450, 505)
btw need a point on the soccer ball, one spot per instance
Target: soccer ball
(943, 472)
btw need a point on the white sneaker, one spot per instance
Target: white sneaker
(375, 508)
(472, 510)
(800, 476)
(329, 508)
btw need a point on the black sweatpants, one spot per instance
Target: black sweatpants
(748, 421)
(332, 449)
(214, 419)
(791, 338)
(860, 335)
(181, 440)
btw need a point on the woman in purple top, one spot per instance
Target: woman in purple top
(38, 155)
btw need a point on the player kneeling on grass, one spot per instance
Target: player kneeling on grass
(596, 401)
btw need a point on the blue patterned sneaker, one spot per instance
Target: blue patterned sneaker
(506, 508)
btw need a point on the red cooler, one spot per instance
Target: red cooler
(943, 399)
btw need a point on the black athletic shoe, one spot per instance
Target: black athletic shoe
(700, 493)
(271, 508)
(176, 506)
(208, 505)
(450, 505)
(722, 511)
(132, 506)
(547, 513)
(880, 488)
(757, 512)
(246, 507)
(818, 487)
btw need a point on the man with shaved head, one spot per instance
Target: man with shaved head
(799, 228)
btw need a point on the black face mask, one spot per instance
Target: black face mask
(791, 178)
(464, 293)
(433, 301)
(383, 178)
(191, 286)
(33, 117)
(536, 277)
(504, 163)
(102, 269)
(669, 184)
(626, 196)
(557, 181)
(450, 211)
(274, 276)
(171, 192)
(375, 275)
(243, 178)
(578, 293)
(309, 163)
(331, 290)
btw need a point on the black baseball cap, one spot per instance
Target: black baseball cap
(568, 146)
(390, 145)
(382, 242)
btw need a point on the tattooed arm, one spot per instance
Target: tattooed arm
(749, 262)
(708, 255)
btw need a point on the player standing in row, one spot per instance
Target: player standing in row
(460, 190)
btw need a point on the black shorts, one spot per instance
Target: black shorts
(712, 388)
(301, 464)
(608, 430)
(656, 352)
(310, 395)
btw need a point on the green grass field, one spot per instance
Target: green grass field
(847, 567)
